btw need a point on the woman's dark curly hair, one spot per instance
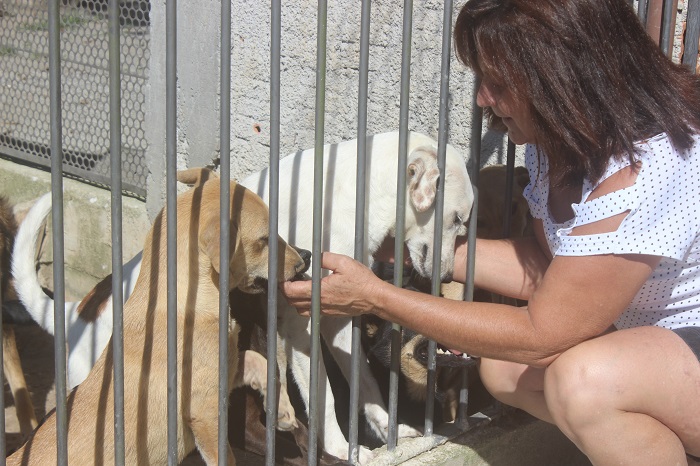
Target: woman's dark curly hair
(593, 80)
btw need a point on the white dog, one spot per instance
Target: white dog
(338, 235)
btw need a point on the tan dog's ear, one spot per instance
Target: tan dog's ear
(422, 178)
(196, 176)
(522, 176)
(209, 240)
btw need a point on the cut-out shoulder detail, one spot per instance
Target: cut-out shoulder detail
(623, 178)
(602, 207)
(647, 207)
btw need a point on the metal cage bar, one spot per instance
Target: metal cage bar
(224, 228)
(58, 240)
(395, 367)
(171, 221)
(275, 86)
(692, 35)
(320, 106)
(115, 136)
(360, 204)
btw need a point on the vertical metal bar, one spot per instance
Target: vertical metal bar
(317, 227)
(360, 203)
(115, 154)
(171, 209)
(439, 202)
(224, 226)
(275, 85)
(642, 11)
(395, 366)
(475, 160)
(692, 35)
(665, 42)
(58, 243)
(508, 198)
(3, 444)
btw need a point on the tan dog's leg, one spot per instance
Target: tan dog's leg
(210, 452)
(252, 371)
(18, 385)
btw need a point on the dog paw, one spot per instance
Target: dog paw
(340, 451)
(286, 416)
(408, 431)
(286, 419)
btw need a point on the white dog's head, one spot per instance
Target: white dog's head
(423, 178)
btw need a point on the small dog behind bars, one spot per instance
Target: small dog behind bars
(90, 430)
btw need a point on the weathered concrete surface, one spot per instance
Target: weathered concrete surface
(514, 439)
(87, 225)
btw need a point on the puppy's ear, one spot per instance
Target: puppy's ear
(196, 176)
(521, 176)
(422, 178)
(209, 240)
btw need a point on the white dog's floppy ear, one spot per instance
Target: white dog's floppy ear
(423, 175)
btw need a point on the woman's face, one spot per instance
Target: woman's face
(514, 115)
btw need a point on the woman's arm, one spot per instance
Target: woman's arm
(510, 267)
(578, 299)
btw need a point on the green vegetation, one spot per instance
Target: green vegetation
(6, 50)
(66, 21)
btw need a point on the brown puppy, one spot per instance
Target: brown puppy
(493, 207)
(90, 426)
(12, 366)
(493, 204)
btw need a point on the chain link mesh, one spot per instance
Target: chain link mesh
(24, 87)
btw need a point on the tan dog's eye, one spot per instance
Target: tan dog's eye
(262, 243)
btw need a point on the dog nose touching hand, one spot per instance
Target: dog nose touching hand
(348, 291)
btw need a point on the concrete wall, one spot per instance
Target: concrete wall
(87, 226)
(198, 82)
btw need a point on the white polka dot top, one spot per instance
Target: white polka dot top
(663, 220)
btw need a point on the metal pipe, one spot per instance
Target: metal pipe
(360, 204)
(317, 228)
(171, 209)
(439, 204)
(58, 240)
(666, 42)
(275, 67)
(692, 35)
(395, 365)
(115, 154)
(224, 227)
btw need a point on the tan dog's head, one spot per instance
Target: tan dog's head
(423, 179)
(492, 203)
(249, 232)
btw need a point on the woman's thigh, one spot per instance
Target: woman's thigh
(646, 370)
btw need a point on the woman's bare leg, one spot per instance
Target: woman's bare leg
(628, 397)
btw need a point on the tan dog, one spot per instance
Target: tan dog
(12, 366)
(493, 204)
(491, 212)
(90, 426)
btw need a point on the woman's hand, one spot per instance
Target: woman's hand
(350, 290)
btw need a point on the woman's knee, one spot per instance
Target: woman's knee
(578, 386)
(504, 379)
